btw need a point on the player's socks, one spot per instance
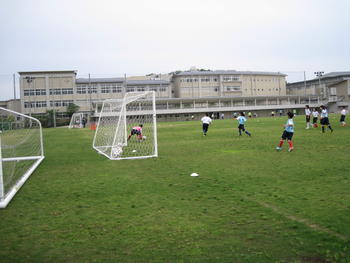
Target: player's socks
(329, 126)
(281, 143)
(248, 133)
(323, 129)
(290, 144)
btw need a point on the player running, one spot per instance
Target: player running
(206, 121)
(342, 117)
(324, 119)
(137, 130)
(287, 133)
(241, 120)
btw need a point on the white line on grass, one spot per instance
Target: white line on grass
(303, 221)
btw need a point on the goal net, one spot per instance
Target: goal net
(21, 151)
(77, 120)
(126, 128)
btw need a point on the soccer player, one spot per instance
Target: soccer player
(136, 130)
(342, 117)
(314, 118)
(324, 119)
(287, 133)
(241, 120)
(307, 116)
(206, 121)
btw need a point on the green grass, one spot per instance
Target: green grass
(249, 203)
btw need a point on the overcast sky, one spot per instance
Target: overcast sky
(108, 38)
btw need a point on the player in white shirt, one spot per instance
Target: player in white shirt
(324, 119)
(343, 113)
(206, 121)
(307, 116)
(315, 115)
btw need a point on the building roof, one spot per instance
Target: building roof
(147, 82)
(329, 75)
(336, 74)
(98, 80)
(47, 72)
(228, 72)
(128, 82)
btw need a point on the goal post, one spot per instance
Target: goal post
(127, 128)
(21, 151)
(77, 120)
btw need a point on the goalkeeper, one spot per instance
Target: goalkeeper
(136, 130)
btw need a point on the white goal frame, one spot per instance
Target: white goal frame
(122, 124)
(72, 123)
(5, 198)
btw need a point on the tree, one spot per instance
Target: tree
(71, 109)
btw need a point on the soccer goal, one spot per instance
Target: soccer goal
(118, 134)
(77, 120)
(21, 151)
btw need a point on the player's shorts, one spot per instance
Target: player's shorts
(314, 120)
(287, 135)
(133, 131)
(342, 118)
(325, 121)
(307, 117)
(241, 127)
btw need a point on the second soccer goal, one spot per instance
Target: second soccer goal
(127, 128)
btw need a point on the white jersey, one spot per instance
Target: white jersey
(206, 120)
(324, 113)
(307, 112)
(343, 112)
(315, 114)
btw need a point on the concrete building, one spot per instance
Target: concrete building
(228, 83)
(14, 105)
(185, 94)
(47, 90)
(333, 88)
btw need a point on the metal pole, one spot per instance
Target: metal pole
(14, 86)
(90, 91)
(305, 82)
(1, 174)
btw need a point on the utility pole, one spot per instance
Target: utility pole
(305, 82)
(14, 86)
(319, 75)
(29, 80)
(90, 91)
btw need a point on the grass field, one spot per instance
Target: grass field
(249, 203)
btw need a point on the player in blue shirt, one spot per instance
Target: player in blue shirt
(241, 120)
(287, 133)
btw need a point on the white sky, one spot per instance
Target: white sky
(108, 38)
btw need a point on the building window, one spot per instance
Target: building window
(29, 92)
(117, 89)
(141, 89)
(92, 89)
(232, 88)
(105, 89)
(81, 90)
(67, 91)
(130, 90)
(55, 91)
(40, 104)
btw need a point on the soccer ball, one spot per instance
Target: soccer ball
(144, 137)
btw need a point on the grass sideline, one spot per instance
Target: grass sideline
(249, 203)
